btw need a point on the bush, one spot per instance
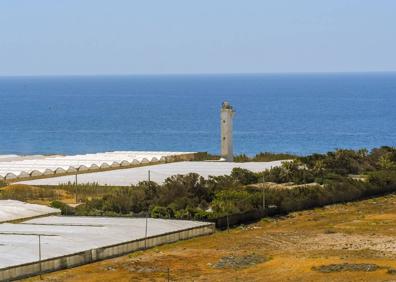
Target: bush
(243, 176)
(269, 157)
(264, 157)
(188, 196)
(65, 209)
(162, 212)
(233, 201)
(203, 215)
(241, 158)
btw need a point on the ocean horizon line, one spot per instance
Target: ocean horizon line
(319, 73)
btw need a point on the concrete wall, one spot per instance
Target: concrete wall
(73, 260)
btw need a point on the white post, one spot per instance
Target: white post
(227, 113)
(41, 267)
(76, 185)
(263, 194)
(145, 232)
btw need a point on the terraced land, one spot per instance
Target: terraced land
(345, 242)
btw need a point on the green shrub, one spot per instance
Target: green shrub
(233, 201)
(188, 196)
(162, 212)
(243, 176)
(203, 215)
(65, 209)
(264, 157)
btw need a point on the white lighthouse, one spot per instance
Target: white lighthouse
(227, 113)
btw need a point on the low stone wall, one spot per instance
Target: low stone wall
(89, 256)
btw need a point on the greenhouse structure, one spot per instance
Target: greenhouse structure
(20, 167)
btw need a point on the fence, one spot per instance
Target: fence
(235, 219)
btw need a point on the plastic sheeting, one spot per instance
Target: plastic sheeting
(25, 167)
(15, 210)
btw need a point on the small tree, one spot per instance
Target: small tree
(244, 176)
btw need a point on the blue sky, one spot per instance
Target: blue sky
(206, 36)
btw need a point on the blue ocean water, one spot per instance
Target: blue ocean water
(277, 113)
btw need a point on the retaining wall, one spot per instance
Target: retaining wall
(89, 256)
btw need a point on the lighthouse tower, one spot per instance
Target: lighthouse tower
(227, 113)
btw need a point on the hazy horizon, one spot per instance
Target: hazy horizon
(201, 74)
(68, 38)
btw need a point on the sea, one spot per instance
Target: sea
(293, 113)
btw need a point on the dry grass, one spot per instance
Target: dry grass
(35, 195)
(356, 233)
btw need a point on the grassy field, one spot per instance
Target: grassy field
(36, 195)
(345, 242)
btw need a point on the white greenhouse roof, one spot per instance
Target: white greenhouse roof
(14, 167)
(68, 235)
(15, 210)
(158, 173)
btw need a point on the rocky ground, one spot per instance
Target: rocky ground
(345, 242)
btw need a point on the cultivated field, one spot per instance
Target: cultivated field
(345, 242)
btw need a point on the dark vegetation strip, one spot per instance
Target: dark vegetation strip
(318, 180)
(260, 157)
